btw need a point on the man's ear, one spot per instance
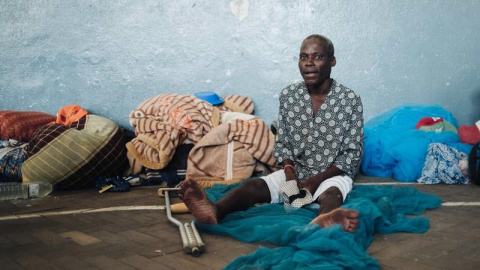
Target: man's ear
(334, 61)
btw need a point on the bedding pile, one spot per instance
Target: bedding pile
(230, 143)
(69, 150)
(393, 147)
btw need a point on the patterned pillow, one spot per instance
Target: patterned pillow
(20, 125)
(75, 156)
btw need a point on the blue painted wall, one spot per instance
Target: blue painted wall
(108, 56)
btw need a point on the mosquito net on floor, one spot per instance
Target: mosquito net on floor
(383, 209)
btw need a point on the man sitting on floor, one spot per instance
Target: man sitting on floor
(319, 144)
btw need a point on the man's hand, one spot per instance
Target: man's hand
(311, 184)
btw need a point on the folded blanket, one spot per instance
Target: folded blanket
(232, 151)
(382, 209)
(165, 121)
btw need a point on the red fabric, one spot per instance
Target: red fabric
(20, 125)
(428, 121)
(469, 134)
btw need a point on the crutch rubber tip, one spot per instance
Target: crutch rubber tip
(195, 252)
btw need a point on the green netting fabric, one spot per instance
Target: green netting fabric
(383, 209)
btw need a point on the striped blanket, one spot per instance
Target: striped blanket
(74, 156)
(232, 151)
(165, 121)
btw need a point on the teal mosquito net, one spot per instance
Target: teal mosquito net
(383, 209)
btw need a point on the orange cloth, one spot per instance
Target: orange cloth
(69, 114)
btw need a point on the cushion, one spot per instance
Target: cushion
(20, 125)
(75, 156)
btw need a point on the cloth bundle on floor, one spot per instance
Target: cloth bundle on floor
(444, 164)
(75, 156)
(382, 209)
(394, 148)
(165, 121)
(12, 157)
(232, 151)
(20, 125)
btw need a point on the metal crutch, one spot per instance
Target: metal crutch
(192, 243)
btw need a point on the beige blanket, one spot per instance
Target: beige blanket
(232, 151)
(163, 122)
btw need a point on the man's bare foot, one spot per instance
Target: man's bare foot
(346, 217)
(197, 202)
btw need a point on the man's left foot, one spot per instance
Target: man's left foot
(346, 217)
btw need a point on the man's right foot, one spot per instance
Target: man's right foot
(196, 200)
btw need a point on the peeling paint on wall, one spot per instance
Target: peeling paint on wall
(239, 8)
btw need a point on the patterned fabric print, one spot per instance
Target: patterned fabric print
(11, 163)
(334, 137)
(442, 165)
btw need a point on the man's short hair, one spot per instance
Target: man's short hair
(326, 42)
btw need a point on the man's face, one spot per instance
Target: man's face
(314, 63)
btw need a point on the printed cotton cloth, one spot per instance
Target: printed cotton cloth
(443, 165)
(12, 156)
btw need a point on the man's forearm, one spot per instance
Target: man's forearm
(289, 169)
(329, 173)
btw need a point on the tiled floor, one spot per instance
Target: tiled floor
(82, 230)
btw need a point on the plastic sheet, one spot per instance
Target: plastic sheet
(382, 209)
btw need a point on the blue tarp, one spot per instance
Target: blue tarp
(382, 209)
(394, 148)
